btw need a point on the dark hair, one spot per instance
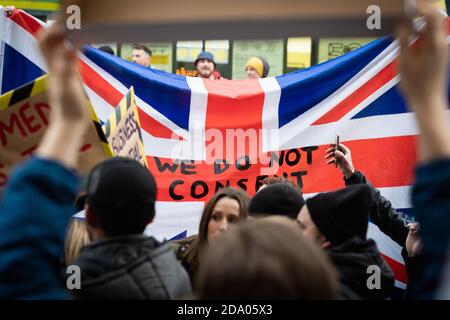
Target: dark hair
(80, 201)
(139, 46)
(266, 67)
(107, 49)
(276, 199)
(113, 218)
(275, 180)
(191, 255)
(265, 259)
(121, 194)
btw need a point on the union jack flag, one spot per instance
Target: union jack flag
(355, 95)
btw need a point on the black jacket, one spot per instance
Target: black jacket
(392, 224)
(131, 267)
(414, 269)
(382, 214)
(352, 260)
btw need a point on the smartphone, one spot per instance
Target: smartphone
(336, 147)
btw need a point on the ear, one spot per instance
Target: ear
(324, 243)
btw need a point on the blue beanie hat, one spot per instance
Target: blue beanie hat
(205, 55)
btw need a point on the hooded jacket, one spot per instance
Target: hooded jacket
(34, 213)
(131, 267)
(382, 213)
(352, 259)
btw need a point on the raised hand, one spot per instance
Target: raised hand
(342, 157)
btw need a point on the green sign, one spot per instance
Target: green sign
(38, 6)
(271, 50)
(330, 48)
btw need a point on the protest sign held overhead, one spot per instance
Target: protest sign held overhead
(123, 130)
(24, 117)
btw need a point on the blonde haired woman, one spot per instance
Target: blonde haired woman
(77, 238)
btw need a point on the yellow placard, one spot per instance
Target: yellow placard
(299, 52)
(48, 5)
(159, 59)
(123, 130)
(24, 117)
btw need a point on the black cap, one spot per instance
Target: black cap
(107, 49)
(342, 214)
(122, 193)
(277, 199)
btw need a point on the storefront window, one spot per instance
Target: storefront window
(298, 53)
(271, 50)
(220, 49)
(187, 52)
(330, 48)
(161, 54)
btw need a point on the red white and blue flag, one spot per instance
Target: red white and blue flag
(290, 120)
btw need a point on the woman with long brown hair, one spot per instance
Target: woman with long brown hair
(225, 209)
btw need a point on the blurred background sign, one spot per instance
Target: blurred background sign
(271, 50)
(35, 7)
(330, 48)
(162, 54)
(299, 53)
(170, 20)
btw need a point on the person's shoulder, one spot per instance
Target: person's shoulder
(185, 241)
(180, 246)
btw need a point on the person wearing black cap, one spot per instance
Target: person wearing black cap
(382, 213)
(122, 263)
(338, 222)
(390, 221)
(276, 199)
(107, 49)
(205, 66)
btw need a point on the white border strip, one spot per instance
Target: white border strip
(386, 245)
(172, 218)
(197, 117)
(21, 40)
(376, 127)
(272, 95)
(163, 148)
(368, 72)
(371, 98)
(139, 102)
(102, 108)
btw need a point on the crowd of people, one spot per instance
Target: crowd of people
(205, 65)
(275, 245)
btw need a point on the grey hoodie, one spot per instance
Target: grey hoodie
(131, 267)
